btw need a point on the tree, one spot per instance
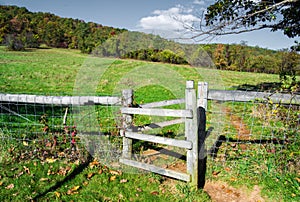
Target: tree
(233, 17)
(219, 57)
(226, 17)
(290, 66)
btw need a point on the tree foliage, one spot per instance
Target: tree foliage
(242, 14)
(155, 55)
(232, 17)
(21, 29)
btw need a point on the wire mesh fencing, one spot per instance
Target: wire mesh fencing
(45, 131)
(246, 138)
(252, 138)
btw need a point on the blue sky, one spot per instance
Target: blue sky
(154, 16)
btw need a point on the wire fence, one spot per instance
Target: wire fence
(252, 138)
(249, 137)
(50, 131)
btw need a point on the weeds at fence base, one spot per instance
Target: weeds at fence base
(64, 174)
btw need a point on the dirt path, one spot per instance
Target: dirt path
(221, 192)
(243, 133)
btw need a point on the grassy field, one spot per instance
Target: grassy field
(28, 171)
(54, 71)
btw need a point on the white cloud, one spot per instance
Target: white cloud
(199, 2)
(175, 18)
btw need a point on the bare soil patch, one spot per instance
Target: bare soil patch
(222, 192)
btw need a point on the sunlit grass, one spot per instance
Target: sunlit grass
(56, 71)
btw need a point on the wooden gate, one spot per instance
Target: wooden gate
(195, 121)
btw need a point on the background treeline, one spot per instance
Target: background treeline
(21, 29)
(155, 55)
(235, 57)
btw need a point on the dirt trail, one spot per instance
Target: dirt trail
(221, 192)
(242, 129)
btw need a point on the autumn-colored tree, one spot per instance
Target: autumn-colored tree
(28, 29)
(219, 57)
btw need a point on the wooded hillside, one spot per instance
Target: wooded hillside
(20, 29)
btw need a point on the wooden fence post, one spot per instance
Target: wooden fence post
(202, 94)
(127, 100)
(202, 107)
(191, 130)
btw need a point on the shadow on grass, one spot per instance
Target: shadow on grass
(59, 184)
(213, 151)
(263, 87)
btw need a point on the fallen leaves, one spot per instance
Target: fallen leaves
(123, 181)
(113, 172)
(154, 193)
(73, 190)
(25, 143)
(90, 175)
(50, 172)
(112, 178)
(94, 164)
(64, 171)
(216, 173)
(19, 174)
(26, 170)
(57, 194)
(227, 169)
(43, 179)
(10, 186)
(50, 160)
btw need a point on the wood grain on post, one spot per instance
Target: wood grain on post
(127, 100)
(191, 130)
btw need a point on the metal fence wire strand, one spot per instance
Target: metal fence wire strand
(44, 131)
(249, 137)
(253, 137)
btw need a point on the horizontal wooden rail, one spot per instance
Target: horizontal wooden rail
(160, 140)
(158, 112)
(155, 169)
(60, 100)
(245, 96)
(163, 103)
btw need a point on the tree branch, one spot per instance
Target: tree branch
(237, 25)
(276, 5)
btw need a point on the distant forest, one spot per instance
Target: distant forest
(21, 29)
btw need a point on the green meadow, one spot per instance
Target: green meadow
(27, 173)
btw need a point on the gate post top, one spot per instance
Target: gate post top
(190, 84)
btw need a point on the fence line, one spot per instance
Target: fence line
(60, 100)
(246, 96)
(194, 117)
(219, 95)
